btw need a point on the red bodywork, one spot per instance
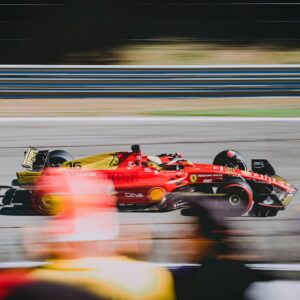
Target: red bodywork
(161, 181)
(136, 175)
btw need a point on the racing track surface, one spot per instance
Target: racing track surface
(268, 239)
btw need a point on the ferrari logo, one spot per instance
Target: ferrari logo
(193, 178)
(115, 161)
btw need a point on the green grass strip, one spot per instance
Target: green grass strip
(276, 112)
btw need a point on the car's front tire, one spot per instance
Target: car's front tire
(238, 199)
(46, 204)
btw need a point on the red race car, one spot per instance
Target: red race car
(162, 182)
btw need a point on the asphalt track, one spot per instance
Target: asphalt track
(200, 139)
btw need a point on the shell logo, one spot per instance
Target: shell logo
(156, 194)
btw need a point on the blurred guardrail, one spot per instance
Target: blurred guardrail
(21, 81)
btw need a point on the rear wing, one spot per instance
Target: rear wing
(35, 159)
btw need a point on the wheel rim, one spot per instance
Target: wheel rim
(234, 200)
(237, 200)
(48, 204)
(46, 201)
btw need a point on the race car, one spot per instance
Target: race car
(161, 182)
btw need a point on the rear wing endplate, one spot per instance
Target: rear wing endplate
(35, 159)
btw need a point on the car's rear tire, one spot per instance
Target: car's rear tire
(58, 157)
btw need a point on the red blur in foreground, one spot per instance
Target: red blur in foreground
(83, 202)
(82, 241)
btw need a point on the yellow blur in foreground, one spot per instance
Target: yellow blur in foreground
(111, 277)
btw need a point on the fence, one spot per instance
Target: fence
(25, 81)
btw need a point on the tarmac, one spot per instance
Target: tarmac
(274, 239)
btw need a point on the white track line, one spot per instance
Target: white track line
(148, 119)
(263, 267)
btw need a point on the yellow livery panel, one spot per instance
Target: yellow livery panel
(100, 162)
(27, 177)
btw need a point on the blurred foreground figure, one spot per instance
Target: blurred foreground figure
(220, 276)
(49, 291)
(82, 241)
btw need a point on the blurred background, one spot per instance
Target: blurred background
(149, 32)
(113, 33)
(154, 32)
